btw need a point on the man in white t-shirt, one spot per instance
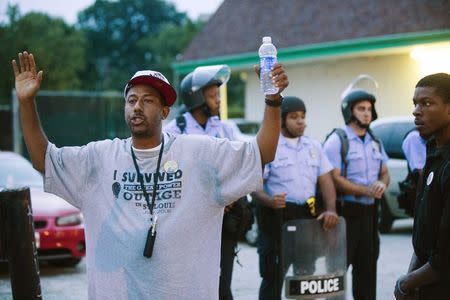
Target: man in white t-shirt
(152, 203)
(200, 94)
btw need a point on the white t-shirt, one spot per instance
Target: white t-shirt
(199, 175)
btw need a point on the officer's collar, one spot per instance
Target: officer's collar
(303, 140)
(212, 121)
(352, 135)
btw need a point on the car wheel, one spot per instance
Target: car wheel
(66, 262)
(252, 235)
(385, 218)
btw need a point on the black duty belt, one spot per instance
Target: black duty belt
(299, 211)
(351, 209)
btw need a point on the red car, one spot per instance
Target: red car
(59, 227)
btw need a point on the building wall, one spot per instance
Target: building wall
(321, 83)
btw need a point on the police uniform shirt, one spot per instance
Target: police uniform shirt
(214, 127)
(431, 234)
(295, 169)
(415, 150)
(364, 161)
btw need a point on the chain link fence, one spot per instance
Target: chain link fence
(74, 118)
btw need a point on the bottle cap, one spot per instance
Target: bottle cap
(267, 39)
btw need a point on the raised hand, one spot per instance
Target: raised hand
(279, 78)
(28, 81)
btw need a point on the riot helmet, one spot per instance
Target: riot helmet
(351, 99)
(355, 93)
(291, 104)
(193, 84)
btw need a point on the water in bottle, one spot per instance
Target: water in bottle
(267, 58)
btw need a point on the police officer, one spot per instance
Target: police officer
(428, 275)
(289, 185)
(201, 97)
(413, 147)
(361, 178)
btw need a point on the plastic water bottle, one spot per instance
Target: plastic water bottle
(267, 58)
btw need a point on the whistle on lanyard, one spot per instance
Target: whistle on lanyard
(151, 237)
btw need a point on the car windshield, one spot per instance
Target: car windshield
(248, 128)
(392, 135)
(14, 174)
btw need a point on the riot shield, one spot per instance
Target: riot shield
(313, 261)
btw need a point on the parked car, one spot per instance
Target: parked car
(391, 131)
(243, 129)
(59, 226)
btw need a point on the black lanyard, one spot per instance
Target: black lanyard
(155, 177)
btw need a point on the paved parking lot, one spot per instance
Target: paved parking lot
(396, 250)
(395, 253)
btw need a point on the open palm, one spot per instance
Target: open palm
(28, 81)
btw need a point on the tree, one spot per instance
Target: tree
(115, 31)
(59, 50)
(163, 48)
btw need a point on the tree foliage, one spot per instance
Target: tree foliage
(111, 41)
(162, 48)
(59, 50)
(121, 35)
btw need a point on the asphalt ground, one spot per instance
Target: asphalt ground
(395, 253)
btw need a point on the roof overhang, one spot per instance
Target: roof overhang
(395, 43)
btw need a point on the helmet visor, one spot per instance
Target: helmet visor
(204, 76)
(362, 82)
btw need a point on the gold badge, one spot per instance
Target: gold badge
(312, 154)
(376, 146)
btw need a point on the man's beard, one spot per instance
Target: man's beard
(146, 132)
(360, 124)
(207, 111)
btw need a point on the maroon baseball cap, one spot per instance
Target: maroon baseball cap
(157, 81)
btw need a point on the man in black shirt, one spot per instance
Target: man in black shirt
(428, 276)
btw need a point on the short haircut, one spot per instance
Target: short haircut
(441, 83)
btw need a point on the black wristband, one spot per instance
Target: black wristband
(274, 103)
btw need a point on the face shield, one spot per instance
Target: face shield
(208, 75)
(363, 82)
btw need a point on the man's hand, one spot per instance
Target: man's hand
(279, 201)
(377, 189)
(279, 79)
(228, 207)
(398, 294)
(330, 219)
(28, 81)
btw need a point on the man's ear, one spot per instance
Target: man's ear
(165, 112)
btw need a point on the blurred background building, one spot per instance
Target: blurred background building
(324, 45)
